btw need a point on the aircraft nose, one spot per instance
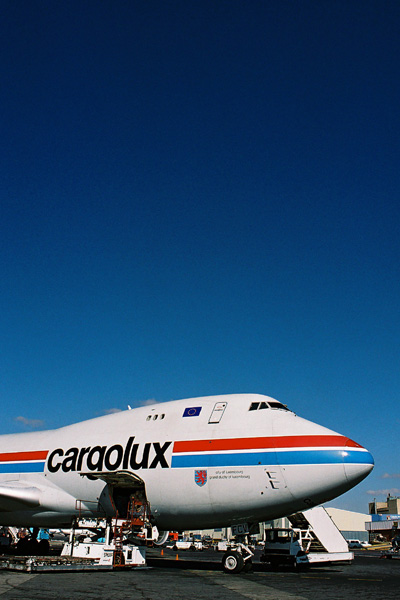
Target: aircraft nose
(357, 461)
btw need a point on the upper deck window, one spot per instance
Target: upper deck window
(155, 417)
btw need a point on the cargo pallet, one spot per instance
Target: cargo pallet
(42, 564)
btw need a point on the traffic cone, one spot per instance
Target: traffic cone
(177, 557)
(162, 552)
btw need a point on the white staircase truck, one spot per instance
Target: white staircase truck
(313, 538)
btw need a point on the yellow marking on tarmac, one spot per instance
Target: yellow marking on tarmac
(313, 577)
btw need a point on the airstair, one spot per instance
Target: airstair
(313, 538)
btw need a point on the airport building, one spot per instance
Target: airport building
(352, 525)
(385, 518)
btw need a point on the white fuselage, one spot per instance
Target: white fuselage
(205, 462)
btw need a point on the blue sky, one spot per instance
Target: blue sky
(202, 197)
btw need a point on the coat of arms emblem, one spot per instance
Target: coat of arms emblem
(200, 477)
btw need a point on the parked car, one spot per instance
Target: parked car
(357, 544)
(185, 544)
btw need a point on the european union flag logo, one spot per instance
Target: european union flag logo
(194, 411)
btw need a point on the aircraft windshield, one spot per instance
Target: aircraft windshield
(269, 404)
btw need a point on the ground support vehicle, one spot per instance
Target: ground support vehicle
(312, 539)
(116, 548)
(394, 551)
(186, 544)
(103, 554)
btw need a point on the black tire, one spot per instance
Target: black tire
(232, 562)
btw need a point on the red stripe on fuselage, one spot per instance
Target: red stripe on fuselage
(284, 441)
(22, 456)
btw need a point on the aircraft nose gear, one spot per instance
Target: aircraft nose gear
(232, 562)
(237, 559)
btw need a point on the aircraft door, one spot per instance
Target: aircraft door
(217, 412)
(122, 487)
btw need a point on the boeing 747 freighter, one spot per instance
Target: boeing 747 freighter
(199, 463)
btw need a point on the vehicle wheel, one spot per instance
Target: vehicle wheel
(232, 562)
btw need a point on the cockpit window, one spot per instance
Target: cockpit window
(278, 405)
(271, 404)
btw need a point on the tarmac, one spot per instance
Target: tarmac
(198, 576)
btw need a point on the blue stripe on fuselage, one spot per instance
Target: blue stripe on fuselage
(296, 457)
(33, 467)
